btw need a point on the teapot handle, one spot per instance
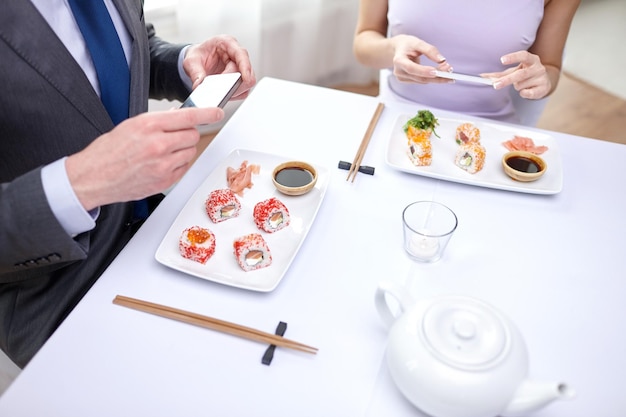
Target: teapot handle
(384, 310)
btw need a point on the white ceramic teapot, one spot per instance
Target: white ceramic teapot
(455, 356)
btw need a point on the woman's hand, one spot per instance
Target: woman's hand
(530, 77)
(220, 54)
(406, 60)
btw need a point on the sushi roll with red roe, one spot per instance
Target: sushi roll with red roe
(252, 252)
(222, 205)
(197, 244)
(271, 215)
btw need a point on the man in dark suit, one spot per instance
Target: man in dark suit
(68, 173)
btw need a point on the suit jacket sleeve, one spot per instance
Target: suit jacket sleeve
(165, 81)
(35, 240)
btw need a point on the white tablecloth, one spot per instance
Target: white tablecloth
(553, 264)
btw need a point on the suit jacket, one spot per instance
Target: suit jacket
(48, 109)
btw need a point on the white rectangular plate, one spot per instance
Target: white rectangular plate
(492, 175)
(463, 77)
(284, 244)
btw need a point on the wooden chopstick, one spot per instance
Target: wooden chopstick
(211, 323)
(354, 168)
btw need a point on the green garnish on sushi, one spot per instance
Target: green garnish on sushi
(424, 120)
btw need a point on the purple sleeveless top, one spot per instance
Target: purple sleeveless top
(472, 35)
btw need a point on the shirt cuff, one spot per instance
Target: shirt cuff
(63, 201)
(181, 71)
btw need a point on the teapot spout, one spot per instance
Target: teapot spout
(531, 396)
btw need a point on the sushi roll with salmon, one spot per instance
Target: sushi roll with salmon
(470, 157)
(271, 215)
(467, 133)
(252, 252)
(222, 205)
(197, 244)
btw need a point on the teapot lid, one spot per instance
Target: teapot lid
(465, 333)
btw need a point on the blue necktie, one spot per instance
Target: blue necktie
(109, 60)
(107, 55)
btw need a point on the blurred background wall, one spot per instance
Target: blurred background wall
(307, 41)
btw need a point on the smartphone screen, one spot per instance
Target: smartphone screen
(214, 91)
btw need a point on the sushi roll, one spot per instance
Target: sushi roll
(222, 205)
(197, 243)
(252, 252)
(271, 215)
(418, 131)
(470, 157)
(467, 133)
(420, 151)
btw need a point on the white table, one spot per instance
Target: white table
(553, 264)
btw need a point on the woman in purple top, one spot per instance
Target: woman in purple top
(517, 43)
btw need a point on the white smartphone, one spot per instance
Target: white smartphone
(214, 91)
(464, 77)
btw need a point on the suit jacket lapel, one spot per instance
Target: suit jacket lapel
(128, 15)
(131, 12)
(28, 33)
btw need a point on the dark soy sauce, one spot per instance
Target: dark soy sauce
(519, 163)
(293, 177)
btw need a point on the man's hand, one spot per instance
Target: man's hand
(141, 156)
(220, 54)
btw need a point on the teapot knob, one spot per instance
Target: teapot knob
(465, 329)
(465, 333)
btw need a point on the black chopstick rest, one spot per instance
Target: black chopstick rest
(269, 352)
(364, 169)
